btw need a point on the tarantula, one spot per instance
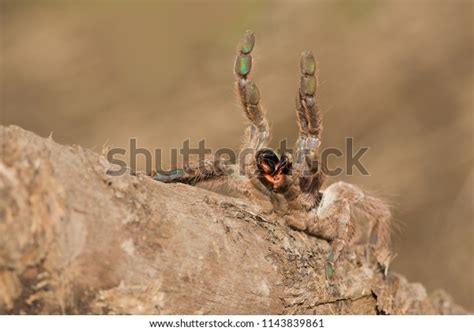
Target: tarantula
(294, 186)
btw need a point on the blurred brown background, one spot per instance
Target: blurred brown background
(396, 76)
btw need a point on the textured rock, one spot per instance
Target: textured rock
(74, 239)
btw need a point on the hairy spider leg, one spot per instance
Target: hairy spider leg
(308, 165)
(258, 133)
(194, 173)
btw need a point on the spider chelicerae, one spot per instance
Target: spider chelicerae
(293, 186)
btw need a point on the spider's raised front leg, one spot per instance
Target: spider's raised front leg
(307, 173)
(308, 168)
(256, 137)
(334, 223)
(258, 133)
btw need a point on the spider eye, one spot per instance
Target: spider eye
(286, 163)
(267, 161)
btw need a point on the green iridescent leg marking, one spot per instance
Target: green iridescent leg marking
(329, 268)
(308, 63)
(243, 64)
(168, 176)
(247, 43)
(329, 271)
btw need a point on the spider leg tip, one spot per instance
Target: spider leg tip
(308, 63)
(248, 42)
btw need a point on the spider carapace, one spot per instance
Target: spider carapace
(293, 184)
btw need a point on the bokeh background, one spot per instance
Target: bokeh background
(397, 76)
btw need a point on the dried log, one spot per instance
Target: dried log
(74, 239)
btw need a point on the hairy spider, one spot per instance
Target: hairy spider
(294, 187)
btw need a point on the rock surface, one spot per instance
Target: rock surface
(75, 240)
